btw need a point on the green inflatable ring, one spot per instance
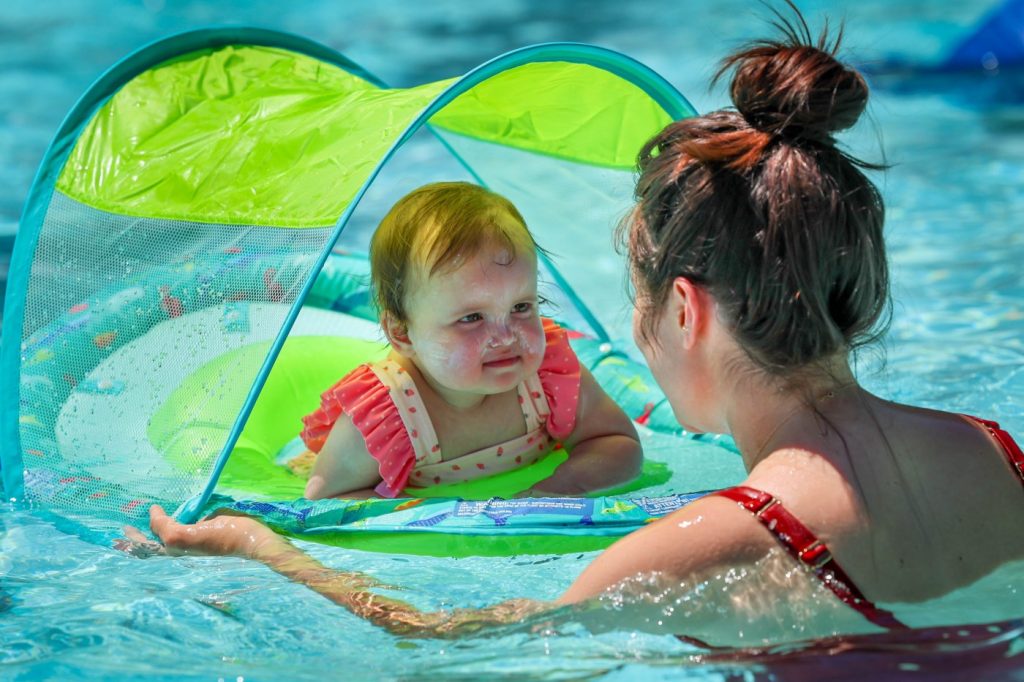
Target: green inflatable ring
(305, 368)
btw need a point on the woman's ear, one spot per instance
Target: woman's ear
(688, 306)
(397, 334)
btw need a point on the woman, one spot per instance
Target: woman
(757, 255)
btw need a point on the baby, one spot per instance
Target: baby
(476, 382)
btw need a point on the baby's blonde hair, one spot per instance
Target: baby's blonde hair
(439, 225)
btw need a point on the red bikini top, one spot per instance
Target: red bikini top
(802, 544)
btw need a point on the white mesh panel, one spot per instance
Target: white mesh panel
(118, 311)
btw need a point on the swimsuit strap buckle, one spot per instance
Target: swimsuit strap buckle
(815, 555)
(768, 504)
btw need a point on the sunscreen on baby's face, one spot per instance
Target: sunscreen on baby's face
(476, 329)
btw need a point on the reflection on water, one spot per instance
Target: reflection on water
(768, 602)
(774, 601)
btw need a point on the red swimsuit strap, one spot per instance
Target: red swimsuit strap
(811, 552)
(1010, 447)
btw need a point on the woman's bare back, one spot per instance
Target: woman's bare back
(912, 502)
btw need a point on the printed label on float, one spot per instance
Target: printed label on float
(534, 505)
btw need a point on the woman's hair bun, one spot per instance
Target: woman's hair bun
(794, 89)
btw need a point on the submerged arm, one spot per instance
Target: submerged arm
(246, 537)
(706, 535)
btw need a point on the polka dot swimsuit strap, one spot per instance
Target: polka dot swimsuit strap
(406, 397)
(533, 403)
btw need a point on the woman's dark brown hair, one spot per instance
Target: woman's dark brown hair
(758, 205)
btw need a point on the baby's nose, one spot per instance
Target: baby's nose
(502, 333)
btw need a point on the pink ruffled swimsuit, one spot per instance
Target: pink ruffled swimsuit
(386, 407)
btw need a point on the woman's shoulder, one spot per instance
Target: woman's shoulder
(933, 491)
(937, 434)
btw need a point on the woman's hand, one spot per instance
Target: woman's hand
(223, 535)
(137, 544)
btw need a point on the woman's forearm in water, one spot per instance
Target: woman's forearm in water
(243, 536)
(351, 590)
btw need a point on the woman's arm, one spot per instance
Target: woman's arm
(604, 450)
(700, 538)
(246, 537)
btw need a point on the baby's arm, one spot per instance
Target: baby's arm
(604, 450)
(344, 465)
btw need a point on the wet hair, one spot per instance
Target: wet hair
(758, 205)
(436, 227)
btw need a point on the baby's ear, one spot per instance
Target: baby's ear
(397, 333)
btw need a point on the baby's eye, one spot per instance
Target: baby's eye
(472, 317)
(523, 307)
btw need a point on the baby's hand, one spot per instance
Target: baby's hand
(537, 492)
(302, 465)
(555, 486)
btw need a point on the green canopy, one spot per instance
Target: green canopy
(209, 185)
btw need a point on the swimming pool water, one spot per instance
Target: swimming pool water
(70, 608)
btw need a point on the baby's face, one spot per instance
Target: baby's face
(475, 329)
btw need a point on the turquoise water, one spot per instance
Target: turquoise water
(70, 608)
